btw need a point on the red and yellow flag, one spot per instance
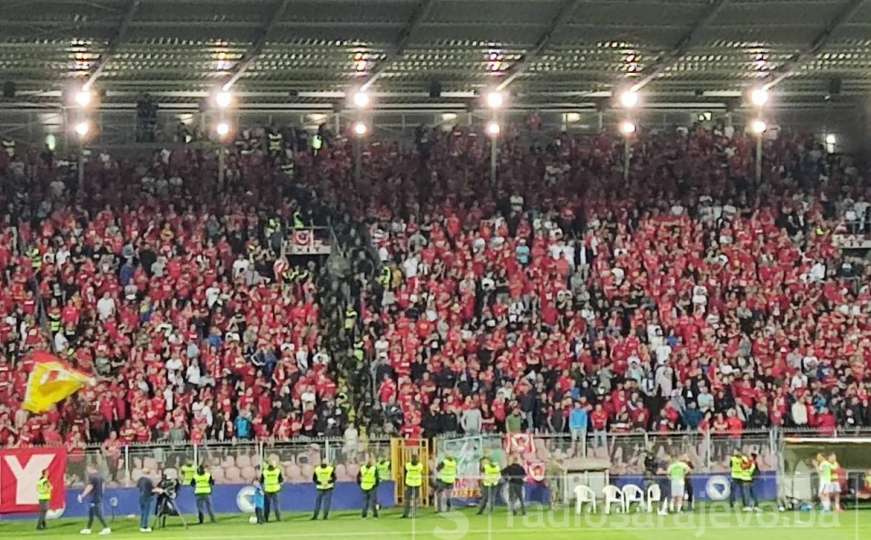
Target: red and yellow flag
(52, 380)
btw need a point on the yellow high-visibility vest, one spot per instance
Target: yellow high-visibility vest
(202, 484)
(413, 474)
(324, 475)
(448, 474)
(187, 473)
(368, 477)
(270, 480)
(736, 464)
(492, 474)
(383, 470)
(43, 489)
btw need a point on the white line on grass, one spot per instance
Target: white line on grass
(488, 531)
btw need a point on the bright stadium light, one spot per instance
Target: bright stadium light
(831, 138)
(627, 127)
(83, 97)
(493, 128)
(629, 99)
(223, 99)
(360, 99)
(495, 99)
(758, 126)
(759, 96)
(360, 128)
(222, 129)
(82, 128)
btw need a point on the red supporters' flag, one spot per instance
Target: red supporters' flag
(20, 469)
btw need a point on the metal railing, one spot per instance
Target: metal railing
(236, 462)
(229, 463)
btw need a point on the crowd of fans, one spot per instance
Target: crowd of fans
(562, 299)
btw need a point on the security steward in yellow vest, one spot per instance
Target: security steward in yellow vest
(202, 483)
(43, 496)
(271, 480)
(738, 475)
(491, 474)
(445, 479)
(325, 480)
(413, 481)
(384, 469)
(367, 479)
(187, 473)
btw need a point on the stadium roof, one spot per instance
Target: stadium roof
(543, 51)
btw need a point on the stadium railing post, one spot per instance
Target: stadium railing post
(127, 476)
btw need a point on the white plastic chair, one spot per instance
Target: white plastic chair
(613, 495)
(654, 495)
(583, 494)
(632, 494)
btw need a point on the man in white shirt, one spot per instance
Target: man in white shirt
(106, 306)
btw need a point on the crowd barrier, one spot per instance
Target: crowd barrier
(551, 461)
(121, 502)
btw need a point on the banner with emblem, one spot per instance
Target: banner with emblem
(309, 241)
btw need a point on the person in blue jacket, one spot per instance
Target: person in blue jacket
(259, 500)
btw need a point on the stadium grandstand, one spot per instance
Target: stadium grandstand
(619, 245)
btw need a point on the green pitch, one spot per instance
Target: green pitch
(539, 524)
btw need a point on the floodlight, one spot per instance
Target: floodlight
(360, 128)
(495, 99)
(759, 96)
(222, 129)
(360, 99)
(82, 128)
(493, 128)
(758, 126)
(223, 99)
(83, 97)
(629, 99)
(627, 127)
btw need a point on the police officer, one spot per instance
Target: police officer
(271, 480)
(202, 483)
(447, 476)
(43, 496)
(492, 473)
(367, 478)
(413, 481)
(325, 480)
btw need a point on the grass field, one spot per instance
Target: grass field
(539, 524)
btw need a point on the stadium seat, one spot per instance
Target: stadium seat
(218, 475)
(294, 475)
(613, 495)
(135, 475)
(632, 494)
(583, 494)
(353, 469)
(654, 495)
(248, 474)
(233, 475)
